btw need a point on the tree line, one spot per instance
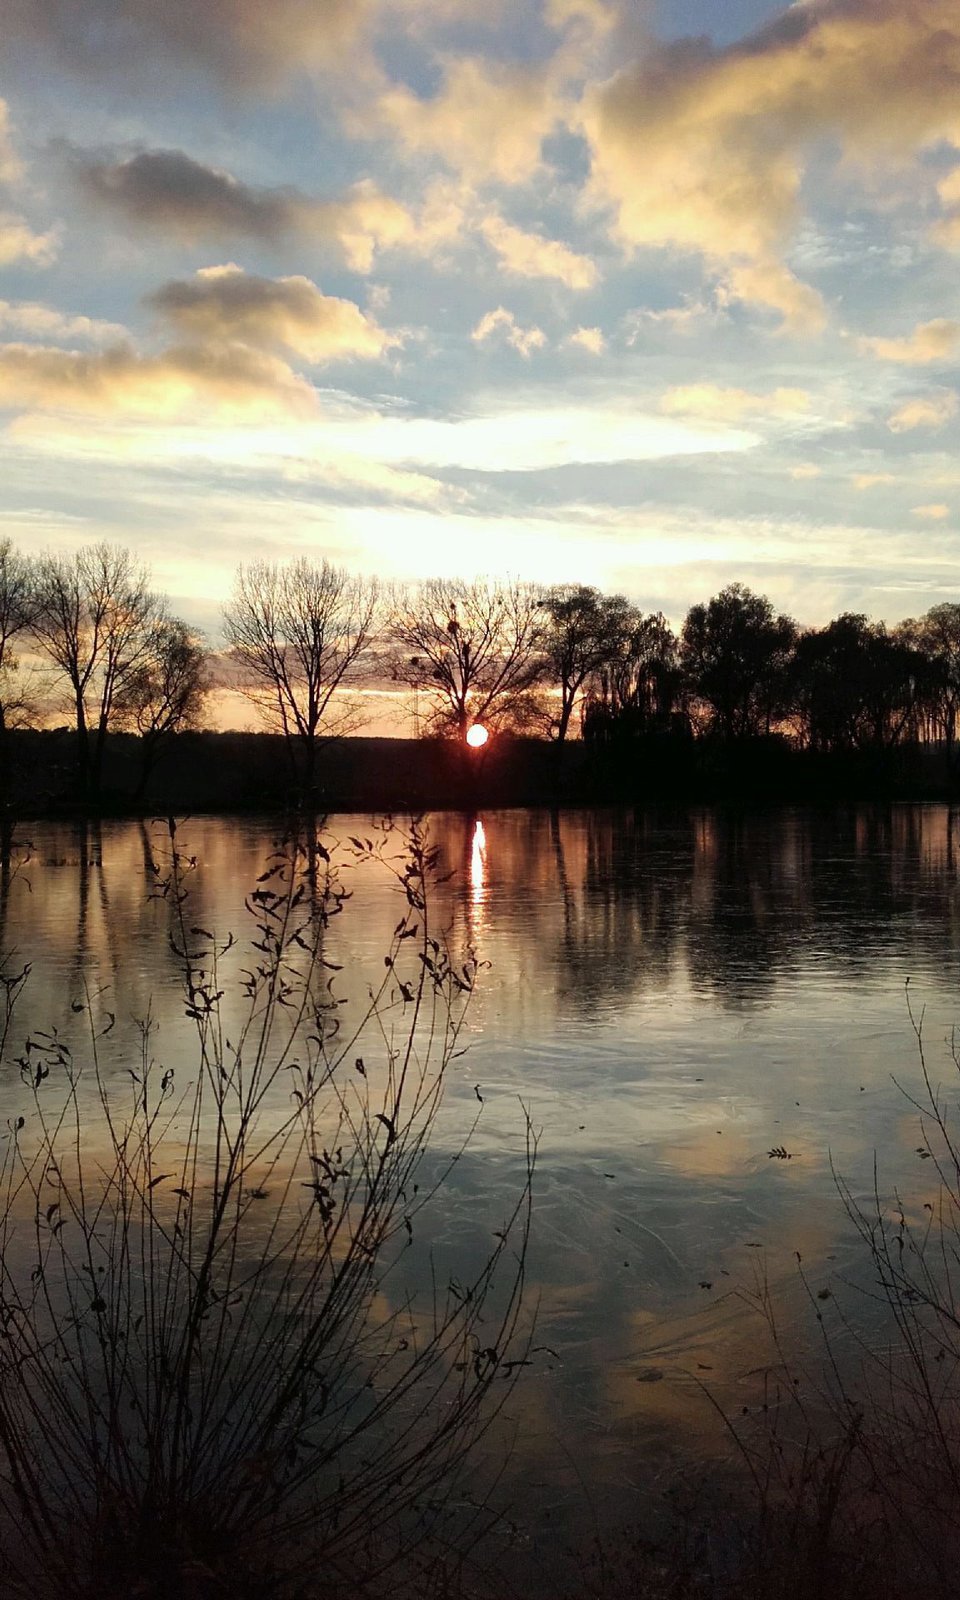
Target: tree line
(88, 634)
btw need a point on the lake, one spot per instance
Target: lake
(670, 997)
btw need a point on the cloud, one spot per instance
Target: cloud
(590, 339)
(232, 335)
(684, 319)
(237, 41)
(37, 321)
(724, 404)
(169, 190)
(532, 437)
(122, 381)
(772, 285)
(927, 411)
(487, 121)
(935, 513)
(18, 242)
(949, 188)
(530, 255)
(364, 222)
(525, 340)
(227, 304)
(804, 470)
(947, 231)
(872, 480)
(929, 341)
(561, 13)
(706, 149)
(10, 167)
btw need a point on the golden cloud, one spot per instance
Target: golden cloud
(947, 231)
(122, 381)
(929, 341)
(712, 401)
(488, 121)
(772, 285)
(872, 480)
(364, 222)
(927, 411)
(169, 190)
(705, 149)
(37, 321)
(18, 242)
(524, 340)
(590, 339)
(530, 255)
(232, 335)
(934, 513)
(227, 304)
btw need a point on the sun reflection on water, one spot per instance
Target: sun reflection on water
(478, 864)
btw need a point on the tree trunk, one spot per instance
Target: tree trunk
(309, 763)
(566, 712)
(83, 747)
(150, 749)
(96, 767)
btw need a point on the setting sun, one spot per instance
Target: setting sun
(477, 735)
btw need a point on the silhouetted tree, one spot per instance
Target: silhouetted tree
(936, 636)
(585, 631)
(638, 688)
(18, 600)
(167, 692)
(736, 653)
(94, 618)
(17, 697)
(298, 634)
(856, 686)
(477, 649)
(643, 675)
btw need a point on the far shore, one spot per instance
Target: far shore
(250, 772)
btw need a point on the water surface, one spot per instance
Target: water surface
(669, 997)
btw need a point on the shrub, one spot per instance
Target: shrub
(212, 1380)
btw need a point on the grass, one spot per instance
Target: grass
(212, 1380)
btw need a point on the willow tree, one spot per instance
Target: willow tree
(586, 631)
(93, 619)
(299, 633)
(737, 654)
(476, 648)
(936, 636)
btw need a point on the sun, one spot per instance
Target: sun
(477, 735)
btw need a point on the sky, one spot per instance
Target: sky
(649, 294)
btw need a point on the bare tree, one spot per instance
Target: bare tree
(17, 608)
(298, 634)
(94, 619)
(476, 648)
(167, 692)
